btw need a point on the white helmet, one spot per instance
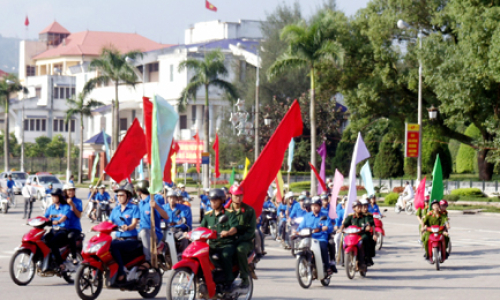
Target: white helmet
(288, 195)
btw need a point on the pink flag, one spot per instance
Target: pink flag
(360, 153)
(420, 195)
(337, 184)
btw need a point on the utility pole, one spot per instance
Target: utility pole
(257, 84)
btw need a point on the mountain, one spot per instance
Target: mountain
(9, 54)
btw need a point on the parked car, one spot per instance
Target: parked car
(18, 177)
(41, 182)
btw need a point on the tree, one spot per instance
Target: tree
(309, 45)
(78, 107)
(56, 147)
(207, 73)
(467, 156)
(113, 66)
(389, 160)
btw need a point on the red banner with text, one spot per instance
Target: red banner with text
(412, 139)
(187, 152)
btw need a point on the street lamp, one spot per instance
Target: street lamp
(267, 120)
(433, 112)
(403, 25)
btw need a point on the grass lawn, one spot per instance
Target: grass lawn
(485, 208)
(479, 199)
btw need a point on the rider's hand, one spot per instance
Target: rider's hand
(55, 222)
(339, 231)
(152, 203)
(336, 228)
(325, 228)
(224, 233)
(124, 227)
(316, 230)
(367, 228)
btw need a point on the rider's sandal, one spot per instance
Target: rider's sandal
(145, 266)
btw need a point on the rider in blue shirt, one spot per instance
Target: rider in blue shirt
(183, 192)
(101, 196)
(298, 209)
(74, 224)
(58, 213)
(10, 186)
(325, 208)
(373, 207)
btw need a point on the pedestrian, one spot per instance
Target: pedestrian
(28, 193)
(71, 180)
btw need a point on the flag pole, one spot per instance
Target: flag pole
(88, 200)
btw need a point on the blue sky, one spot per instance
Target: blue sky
(160, 20)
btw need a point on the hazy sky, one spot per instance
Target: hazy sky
(160, 20)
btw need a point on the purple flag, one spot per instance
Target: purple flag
(322, 152)
(360, 153)
(337, 184)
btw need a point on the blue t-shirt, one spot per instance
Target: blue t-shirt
(185, 195)
(205, 203)
(72, 182)
(48, 191)
(131, 212)
(10, 183)
(55, 214)
(90, 194)
(102, 197)
(73, 220)
(145, 216)
(297, 212)
(314, 222)
(174, 217)
(282, 210)
(373, 209)
(159, 199)
(189, 215)
(340, 217)
(269, 204)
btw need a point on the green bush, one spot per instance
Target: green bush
(305, 185)
(391, 199)
(468, 192)
(410, 167)
(389, 160)
(429, 153)
(189, 180)
(451, 197)
(467, 156)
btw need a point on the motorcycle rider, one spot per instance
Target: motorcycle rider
(368, 220)
(186, 209)
(338, 223)
(298, 210)
(177, 220)
(224, 245)
(74, 224)
(325, 204)
(10, 187)
(421, 213)
(433, 217)
(267, 205)
(101, 196)
(126, 217)
(443, 205)
(408, 193)
(321, 231)
(245, 229)
(204, 203)
(373, 207)
(58, 212)
(284, 212)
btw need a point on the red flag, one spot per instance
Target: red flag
(197, 138)
(128, 154)
(420, 194)
(26, 21)
(267, 165)
(320, 180)
(147, 111)
(279, 196)
(167, 173)
(210, 6)
(216, 149)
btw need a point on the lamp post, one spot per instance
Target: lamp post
(433, 112)
(403, 25)
(257, 83)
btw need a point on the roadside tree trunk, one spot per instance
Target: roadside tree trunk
(312, 111)
(485, 168)
(80, 157)
(6, 136)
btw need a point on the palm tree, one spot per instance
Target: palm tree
(207, 73)
(113, 66)
(78, 107)
(9, 84)
(309, 46)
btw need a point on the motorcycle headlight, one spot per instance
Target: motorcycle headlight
(305, 232)
(93, 248)
(435, 229)
(195, 235)
(305, 243)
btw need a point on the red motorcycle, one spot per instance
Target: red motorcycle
(195, 276)
(34, 256)
(436, 245)
(351, 243)
(379, 230)
(98, 265)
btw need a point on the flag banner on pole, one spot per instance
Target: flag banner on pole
(210, 6)
(338, 181)
(174, 167)
(366, 175)
(437, 181)
(216, 149)
(147, 110)
(231, 178)
(360, 153)
(167, 172)
(128, 154)
(247, 163)
(94, 167)
(322, 171)
(163, 125)
(320, 180)
(280, 194)
(106, 145)
(267, 165)
(420, 194)
(197, 139)
(291, 150)
(26, 21)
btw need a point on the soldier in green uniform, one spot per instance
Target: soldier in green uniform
(421, 213)
(432, 218)
(223, 245)
(245, 215)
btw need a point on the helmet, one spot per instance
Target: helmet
(236, 190)
(142, 186)
(178, 194)
(207, 190)
(217, 194)
(305, 193)
(302, 198)
(443, 203)
(69, 186)
(434, 202)
(427, 198)
(57, 192)
(127, 187)
(50, 183)
(102, 186)
(91, 186)
(28, 181)
(356, 203)
(363, 201)
(316, 200)
(307, 203)
(289, 195)
(224, 189)
(171, 193)
(181, 185)
(324, 197)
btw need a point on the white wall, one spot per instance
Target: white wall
(216, 30)
(28, 49)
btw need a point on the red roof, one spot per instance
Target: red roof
(2, 73)
(91, 43)
(55, 28)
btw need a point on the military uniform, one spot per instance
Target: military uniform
(369, 220)
(431, 219)
(421, 213)
(353, 220)
(246, 223)
(222, 246)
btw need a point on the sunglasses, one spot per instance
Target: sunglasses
(121, 195)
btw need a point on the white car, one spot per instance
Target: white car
(41, 182)
(18, 177)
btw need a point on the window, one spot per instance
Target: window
(62, 93)
(30, 71)
(72, 125)
(72, 91)
(56, 93)
(56, 127)
(193, 113)
(37, 121)
(26, 124)
(68, 90)
(38, 92)
(35, 124)
(153, 67)
(171, 73)
(32, 125)
(44, 122)
(123, 124)
(183, 122)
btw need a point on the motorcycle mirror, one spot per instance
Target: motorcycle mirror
(223, 219)
(183, 220)
(323, 218)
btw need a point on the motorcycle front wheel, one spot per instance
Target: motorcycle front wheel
(380, 241)
(325, 282)
(21, 267)
(152, 291)
(435, 257)
(88, 282)
(5, 207)
(397, 209)
(304, 272)
(181, 285)
(409, 209)
(350, 265)
(273, 229)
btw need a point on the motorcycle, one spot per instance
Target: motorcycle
(170, 255)
(379, 230)
(98, 268)
(34, 256)
(351, 243)
(4, 203)
(436, 245)
(103, 206)
(269, 222)
(309, 262)
(45, 202)
(290, 228)
(195, 276)
(409, 208)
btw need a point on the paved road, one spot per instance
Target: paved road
(399, 272)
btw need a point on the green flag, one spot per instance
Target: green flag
(94, 168)
(231, 179)
(437, 181)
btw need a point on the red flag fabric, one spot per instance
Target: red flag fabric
(26, 21)
(128, 154)
(279, 196)
(197, 138)
(420, 194)
(267, 165)
(147, 111)
(167, 173)
(216, 149)
(210, 6)
(320, 180)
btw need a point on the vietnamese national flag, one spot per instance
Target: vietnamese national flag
(197, 139)
(26, 21)
(147, 110)
(216, 149)
(267, 165)
(420, 194)
(320, 180)
(210, 6)
(129, 153)
(167, 172)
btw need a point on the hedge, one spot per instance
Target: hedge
(391, 199)
(301, 185)
(451, 197)
(468, 192)
(467, 156)
(189, 180)
(389, 161)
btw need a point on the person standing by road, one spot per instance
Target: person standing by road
(29, 193)
(10, 188)
(74, 225)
